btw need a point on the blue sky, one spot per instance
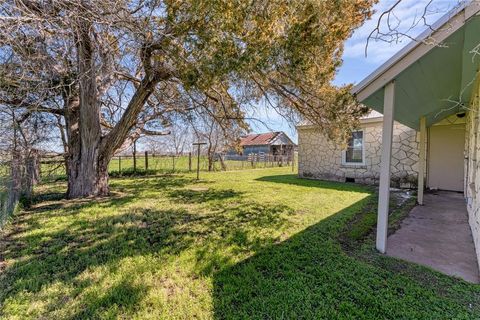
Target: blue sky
(356, 65)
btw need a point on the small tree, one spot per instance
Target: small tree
(21, 138)
(219, 133)
(145, 59)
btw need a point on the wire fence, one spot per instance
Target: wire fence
(53, 168)
(4, 184)
(14, 184)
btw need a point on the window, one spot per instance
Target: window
(354, 154)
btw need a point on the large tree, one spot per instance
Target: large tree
(78, 59)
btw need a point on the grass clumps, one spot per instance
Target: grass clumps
(252, 244)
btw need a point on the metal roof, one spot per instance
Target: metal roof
(260, 139)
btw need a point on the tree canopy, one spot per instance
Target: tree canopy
(113, 69)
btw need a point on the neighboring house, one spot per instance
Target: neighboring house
(359, 161)
(271, 143)
(435, 90)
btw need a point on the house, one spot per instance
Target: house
(321, 158)
(435, 90)
(270, 143)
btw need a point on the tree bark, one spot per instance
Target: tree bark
(88, 175)
(210, 158)
(88, 152)
(87, 165)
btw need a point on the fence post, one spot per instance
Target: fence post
(135, 156)
(189, 161)
(146, 161)
(198, 162)
(15, 187)
(31, 172)
(173, 163)
(119, 165)
(293, 162)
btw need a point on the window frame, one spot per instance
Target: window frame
(344, 152)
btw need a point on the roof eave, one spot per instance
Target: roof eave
(415, 49)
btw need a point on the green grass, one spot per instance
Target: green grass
(179, 164)
(124, 166)
(245, 244)
(157, 163)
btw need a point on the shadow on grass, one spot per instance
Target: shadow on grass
(134, 186)
(306, 276)
(293, 179)
(45, 256)
(309, 276)
(202, 195)
(122, 298)
(148, 183)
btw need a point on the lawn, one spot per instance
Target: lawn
(180, 164)
(157, 164)
(244, 244)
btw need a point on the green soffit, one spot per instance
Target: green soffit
(439, 83)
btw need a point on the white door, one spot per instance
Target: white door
(446, 157)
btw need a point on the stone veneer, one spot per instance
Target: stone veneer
(320, 158)
(472, 172)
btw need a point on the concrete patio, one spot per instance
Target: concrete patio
(438, 235)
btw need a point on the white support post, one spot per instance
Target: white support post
(384, 188)
(421, 162)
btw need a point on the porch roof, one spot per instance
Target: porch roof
(434, 81)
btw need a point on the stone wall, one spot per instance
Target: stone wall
(320, 158)
(472, 174)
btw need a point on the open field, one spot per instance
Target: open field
(52, 169)
(180, 164)
(245, 244)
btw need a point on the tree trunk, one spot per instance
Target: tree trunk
(88, 176)
(88, 152)
(210, 158)
(87, 164)
(222, 162)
